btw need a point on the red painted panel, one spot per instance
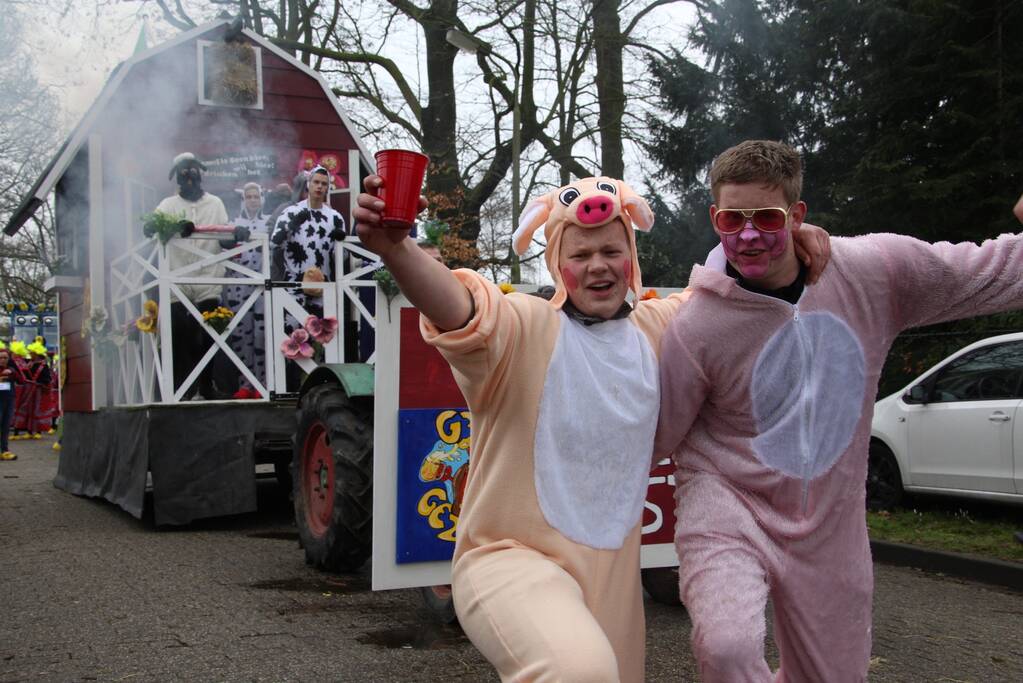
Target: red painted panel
(79, 370)
(295, 108)
(71, 320)
(424, 377)
(77, 398)
(290, 82)
(660, 494)
(283, 134)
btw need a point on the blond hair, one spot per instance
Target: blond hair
(759, 161)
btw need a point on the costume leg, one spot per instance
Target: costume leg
(822, 605)
(258, 341)
(183, 341)
(241, 339)
(723, 582)
(528, 617)
(219, 378)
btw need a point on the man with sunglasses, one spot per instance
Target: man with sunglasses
(767, 392)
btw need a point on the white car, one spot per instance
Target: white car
(955, 430)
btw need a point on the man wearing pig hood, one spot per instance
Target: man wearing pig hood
(564, 395)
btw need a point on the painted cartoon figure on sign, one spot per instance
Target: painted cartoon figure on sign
(446, 462)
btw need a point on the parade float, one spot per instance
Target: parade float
(375, 439)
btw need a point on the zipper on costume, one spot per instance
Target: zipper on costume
(804, 348)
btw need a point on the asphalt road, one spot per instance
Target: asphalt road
(88, 593)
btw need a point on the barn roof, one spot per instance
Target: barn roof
(60, 162)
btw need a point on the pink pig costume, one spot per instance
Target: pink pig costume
(545, 575)
(767, 407)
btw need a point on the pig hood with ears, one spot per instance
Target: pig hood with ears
(587, 203)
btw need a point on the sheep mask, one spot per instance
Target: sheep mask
(586, 203)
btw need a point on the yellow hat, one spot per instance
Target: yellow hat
(19, 348)
(37, 348)
(587, 203)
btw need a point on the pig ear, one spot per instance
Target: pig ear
(532, 217)
(636, 207)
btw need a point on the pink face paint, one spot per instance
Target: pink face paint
(752, 251)
(569, 278)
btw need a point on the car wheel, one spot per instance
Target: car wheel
(884, 482)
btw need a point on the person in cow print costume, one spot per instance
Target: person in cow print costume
(248, 340)
(303, 240)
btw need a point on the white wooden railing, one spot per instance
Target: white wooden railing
(143, 371)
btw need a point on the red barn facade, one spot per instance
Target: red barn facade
(251, 112)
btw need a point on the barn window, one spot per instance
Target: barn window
(230, 74)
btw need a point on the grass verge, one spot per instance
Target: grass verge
(976, 531)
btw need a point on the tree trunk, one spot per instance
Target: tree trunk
(608, 45)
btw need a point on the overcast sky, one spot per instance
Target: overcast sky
(75, 46)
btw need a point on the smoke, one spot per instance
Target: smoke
(177, 101)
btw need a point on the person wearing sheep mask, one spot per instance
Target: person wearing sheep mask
(564, 398)
(194, 206)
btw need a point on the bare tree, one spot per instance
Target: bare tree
(548, 89)
(28, 136)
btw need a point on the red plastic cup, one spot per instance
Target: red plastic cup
(403, 171)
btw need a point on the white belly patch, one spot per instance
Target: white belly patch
(595, 431)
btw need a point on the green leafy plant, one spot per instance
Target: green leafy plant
(162, 225)
(434, 230)
(387, 284)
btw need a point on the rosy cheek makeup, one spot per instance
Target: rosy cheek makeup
(569, 278)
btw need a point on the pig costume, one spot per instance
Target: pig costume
(545, 575)
(767, 406)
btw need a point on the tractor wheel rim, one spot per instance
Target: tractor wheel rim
(318, 480)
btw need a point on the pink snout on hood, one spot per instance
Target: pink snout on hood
(594, 210)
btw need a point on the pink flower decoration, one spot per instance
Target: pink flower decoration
(321, 329)
(297, 345)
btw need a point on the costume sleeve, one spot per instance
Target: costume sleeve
(278, 240)
(653, 316)
(684, 387)
(279, 231)
(932, 283)
(476, 350)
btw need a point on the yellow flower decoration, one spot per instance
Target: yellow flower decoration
(151, 308)
(506, 288)
(23, 306)
(9, 307)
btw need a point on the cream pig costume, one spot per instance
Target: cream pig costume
(545, 574)
(767, 406)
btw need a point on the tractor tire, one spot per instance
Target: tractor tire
(884, 481)
(332, 475)
(439, 603)
(662, 585)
